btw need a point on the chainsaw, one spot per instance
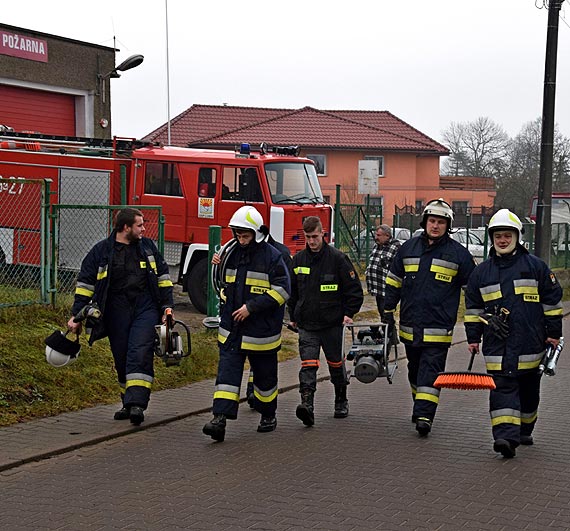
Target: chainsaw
(168, 343)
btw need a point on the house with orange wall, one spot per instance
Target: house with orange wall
(337, 140)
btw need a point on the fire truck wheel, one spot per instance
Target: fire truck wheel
(197, 285)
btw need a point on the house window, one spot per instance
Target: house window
(161, 178)
(320, 163)
(376, 200)
(380, 160)
(460, 207)
(419, 205)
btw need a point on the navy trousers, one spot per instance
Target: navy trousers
(513, 405)
(130, 326)
(424, 364)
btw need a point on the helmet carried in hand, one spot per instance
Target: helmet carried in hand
(61, 351)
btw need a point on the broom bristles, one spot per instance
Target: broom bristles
(469, 381)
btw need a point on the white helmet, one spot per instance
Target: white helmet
(437, 207)
(505, 219)
(61, 351)
(248, 218)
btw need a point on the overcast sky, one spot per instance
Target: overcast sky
(428, 62)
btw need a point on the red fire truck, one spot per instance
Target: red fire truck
(196, 188)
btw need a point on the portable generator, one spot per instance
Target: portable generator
(370, 351)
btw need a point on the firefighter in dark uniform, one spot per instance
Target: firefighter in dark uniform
(286, 254)
(514, 340)
(426, 277)
(325, 294)
(129, 281)
(256, 288)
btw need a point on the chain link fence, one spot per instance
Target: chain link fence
(354, 230)
(76, 228)
(24, 257)
(41, 248)
(355, 225)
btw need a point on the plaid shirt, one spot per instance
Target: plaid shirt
(378, 266)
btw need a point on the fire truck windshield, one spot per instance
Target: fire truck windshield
(293, 182)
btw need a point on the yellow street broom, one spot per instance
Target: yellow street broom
(468, 381)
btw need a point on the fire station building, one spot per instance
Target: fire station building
(53, 85)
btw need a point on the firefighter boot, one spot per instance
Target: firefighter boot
(267, 424)
(423, 426)
(136, 414)
(305, 411)
(123, 414)
(216, 428)
(340, 402)
(504, 447)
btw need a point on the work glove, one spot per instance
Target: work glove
(497, 325)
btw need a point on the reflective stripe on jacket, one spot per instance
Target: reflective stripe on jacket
(524, 285)
(257, 277)
(93, 279)
(324, 288)
(427, 280)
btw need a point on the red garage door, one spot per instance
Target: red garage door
(43, 112)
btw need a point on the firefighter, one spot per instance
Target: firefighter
(128, 279)
(426, 277)
(256, 288)
(513, 301)
(325, 294)
(286, 254)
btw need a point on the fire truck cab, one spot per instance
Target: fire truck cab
(201, 187)
(196, 188)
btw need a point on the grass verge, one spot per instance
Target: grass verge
(31, 388)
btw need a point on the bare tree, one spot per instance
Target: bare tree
(518, 181)
(477, 148)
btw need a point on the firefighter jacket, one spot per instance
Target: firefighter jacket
(524, 285)
(324, 289)
(427, 281)
(256, 276)
(94, 279)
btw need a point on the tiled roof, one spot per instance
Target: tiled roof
(210, 125)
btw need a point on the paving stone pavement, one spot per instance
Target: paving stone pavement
(368, 471)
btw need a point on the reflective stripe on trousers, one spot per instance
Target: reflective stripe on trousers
(424, 364)
(310, 343)
(130, 326)
(228, 382)
(513, 405)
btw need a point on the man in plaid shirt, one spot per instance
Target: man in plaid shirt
(381, 258)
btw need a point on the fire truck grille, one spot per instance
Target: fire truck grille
(297, 239)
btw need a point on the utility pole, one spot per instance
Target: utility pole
(544, 207)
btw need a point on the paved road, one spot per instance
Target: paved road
(368, 471)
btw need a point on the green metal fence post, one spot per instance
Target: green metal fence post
(44, 238)
(53, 288)
(214, 245)
(337, 215)
(161, 222)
